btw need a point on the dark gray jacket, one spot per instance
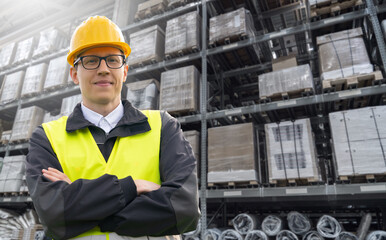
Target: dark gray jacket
(67, 210)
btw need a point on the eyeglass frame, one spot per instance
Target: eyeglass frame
(80, 59)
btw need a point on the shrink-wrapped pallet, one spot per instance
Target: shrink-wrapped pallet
(57, 73)
(179, 90)
(291, 151)
(147, 45)
(231, 154)
(183, 34)
(34, 79)
(5, 136)
(233, 24)
(144, 94)
(23, 50)
(69, 103)
(293, 79)
(150, 7)
(49, 40)
(343, 54)
(7, 54)
(26, 120)
(12, 173)
(359, 141)
(10, 90)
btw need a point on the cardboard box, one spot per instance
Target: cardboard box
(284, 62)
(34, 79)
(26, 120)
(57, 73)
(10, 90)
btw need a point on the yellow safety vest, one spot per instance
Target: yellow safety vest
(136, 156)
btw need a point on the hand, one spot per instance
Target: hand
(144, 186)
(55, 175)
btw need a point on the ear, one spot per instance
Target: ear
(126, 69)
(74, 75)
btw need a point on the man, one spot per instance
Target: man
(109, 170)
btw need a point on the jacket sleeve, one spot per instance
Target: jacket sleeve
(173, 208)
(67, 210)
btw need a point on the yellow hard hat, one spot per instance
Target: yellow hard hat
(96, 31)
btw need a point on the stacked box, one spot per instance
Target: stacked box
(69, 103)
(5, 136)
(286, 80)
(231, 154)
(150, 7)
(147, 45)
(179, 90)
(7, 54)
(12, 173)
(183, 33)
(291, 151)
(23, 51)
(34, 79)
(236, 23)
(11, 87)
(48, 42)
(343, 54)
(143, 95)
(284, 62)
(359, 141)
(26, 120)
(193, 137)
(57, 73)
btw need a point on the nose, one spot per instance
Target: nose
(103, 68)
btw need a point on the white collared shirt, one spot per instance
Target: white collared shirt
(106, 123)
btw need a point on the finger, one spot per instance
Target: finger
(52, 173)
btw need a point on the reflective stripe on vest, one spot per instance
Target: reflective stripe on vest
(79, 155)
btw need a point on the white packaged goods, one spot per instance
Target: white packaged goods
(15, 226)
(359, 141)
(26, 120)
(57, 73)
(12, 173)
(183, 33)
(7, 54)
(144, 94)
(69, 103)
(147, 45)
(34, 79)
(286, 80)
(291, 151)
(179, 90)
(23, 51)
(11, 87)
(343, 54)
(48, 41)
(231, 154)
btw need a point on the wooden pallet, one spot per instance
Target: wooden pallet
(287, 95)
(149, 12)
(365, 178)
(183, 113)
(182, 52)
(19, 141)
(142, 63)
(176, 4)
(294, 182)
(334, 7)
(228, 40)
(358, 81)
(233, 184)
(55, 87)
(30, 95)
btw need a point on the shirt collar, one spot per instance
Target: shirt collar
(95, 118)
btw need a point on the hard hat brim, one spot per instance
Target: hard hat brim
(120, 45)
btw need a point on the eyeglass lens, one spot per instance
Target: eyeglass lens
(92, 62)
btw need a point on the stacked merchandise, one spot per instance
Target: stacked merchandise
(23, 51)
(179, 90)
(231, 154)
(359, 135)
(7, 54)
(293, 79)
(183, 34)
(69, 103)
(323, 7)
(49, 41)
(291, 151)
(148, 45)
(11, 88)
(342, 54)
(12, 172)
(26, 120)
(34, 79)
(143, 95)
(149, 8)
(5, 136)
(193, 137)
(177, 3)
(57, 73)
(24, 226)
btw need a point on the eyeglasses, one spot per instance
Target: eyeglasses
(91, 62)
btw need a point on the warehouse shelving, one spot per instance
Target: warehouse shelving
(318, 195)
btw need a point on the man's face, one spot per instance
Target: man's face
(101, 86)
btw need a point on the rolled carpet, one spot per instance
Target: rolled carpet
(256, 235)
(243, 223)
(230, 234)
(328, 227)
(272, 225)
(298, 223)
(286, 235)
